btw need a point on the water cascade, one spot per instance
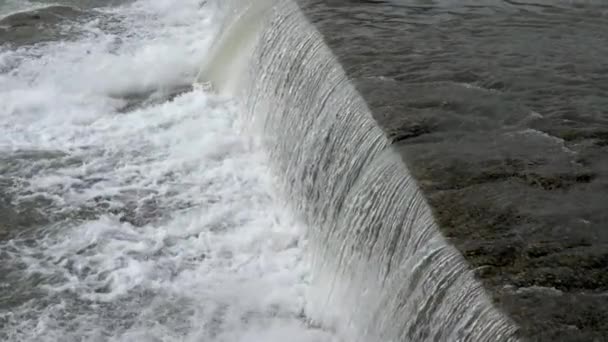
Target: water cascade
(382, 270)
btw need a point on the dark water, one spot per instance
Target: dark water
(500, 109)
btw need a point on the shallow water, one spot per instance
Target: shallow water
(499, 110)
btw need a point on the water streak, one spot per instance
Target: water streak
(382, 270)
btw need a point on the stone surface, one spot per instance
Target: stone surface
(500, 110)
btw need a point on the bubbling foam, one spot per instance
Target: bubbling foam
(161, 222)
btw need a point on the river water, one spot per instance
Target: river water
(139, 205)
(133, 207)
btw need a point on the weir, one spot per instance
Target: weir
(398, 255)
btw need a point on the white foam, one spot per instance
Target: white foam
(219, 259)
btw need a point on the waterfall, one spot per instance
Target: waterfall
(382, 271)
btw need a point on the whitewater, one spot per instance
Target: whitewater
(207, 171)
(146, 210)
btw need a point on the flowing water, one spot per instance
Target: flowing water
(204, 171)
(198, 170)
(133, 206)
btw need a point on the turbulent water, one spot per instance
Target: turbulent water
(133, 206)
(205, 171)
(382, 271)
